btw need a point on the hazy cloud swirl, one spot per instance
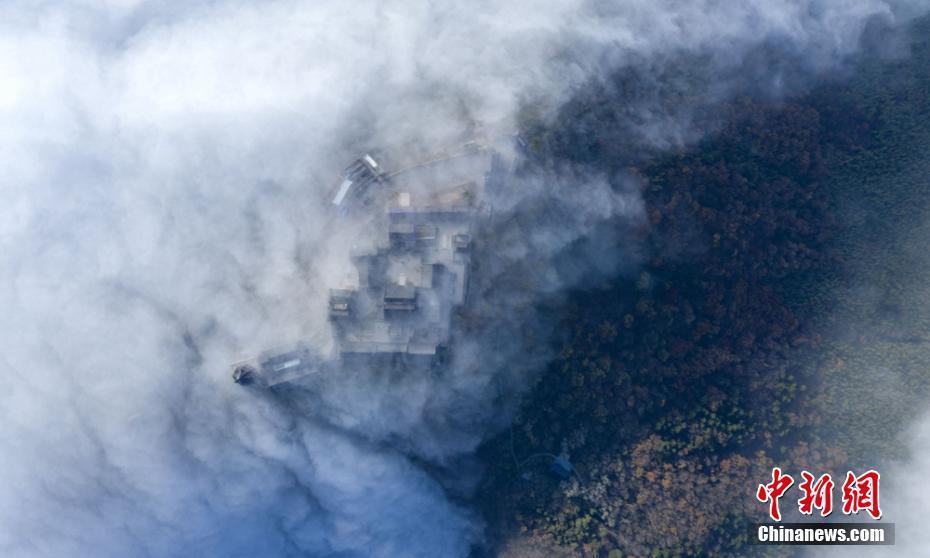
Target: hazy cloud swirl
(162, 170)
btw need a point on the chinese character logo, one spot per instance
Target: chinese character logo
(817, 495)
(861, 493)
(774, 490)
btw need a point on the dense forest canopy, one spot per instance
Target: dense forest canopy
(773, 319)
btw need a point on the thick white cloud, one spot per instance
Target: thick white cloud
(162, 165)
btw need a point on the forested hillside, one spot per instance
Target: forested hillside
(772, 322)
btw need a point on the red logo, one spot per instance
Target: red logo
(859, 493)
(817, 495)
(774, 490)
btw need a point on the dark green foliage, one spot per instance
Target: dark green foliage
(677, 390)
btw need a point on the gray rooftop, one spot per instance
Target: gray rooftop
(419, 274)
(408, 286)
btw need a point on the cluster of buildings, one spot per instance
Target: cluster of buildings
(397, 308)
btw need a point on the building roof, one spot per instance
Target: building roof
(400, 292)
